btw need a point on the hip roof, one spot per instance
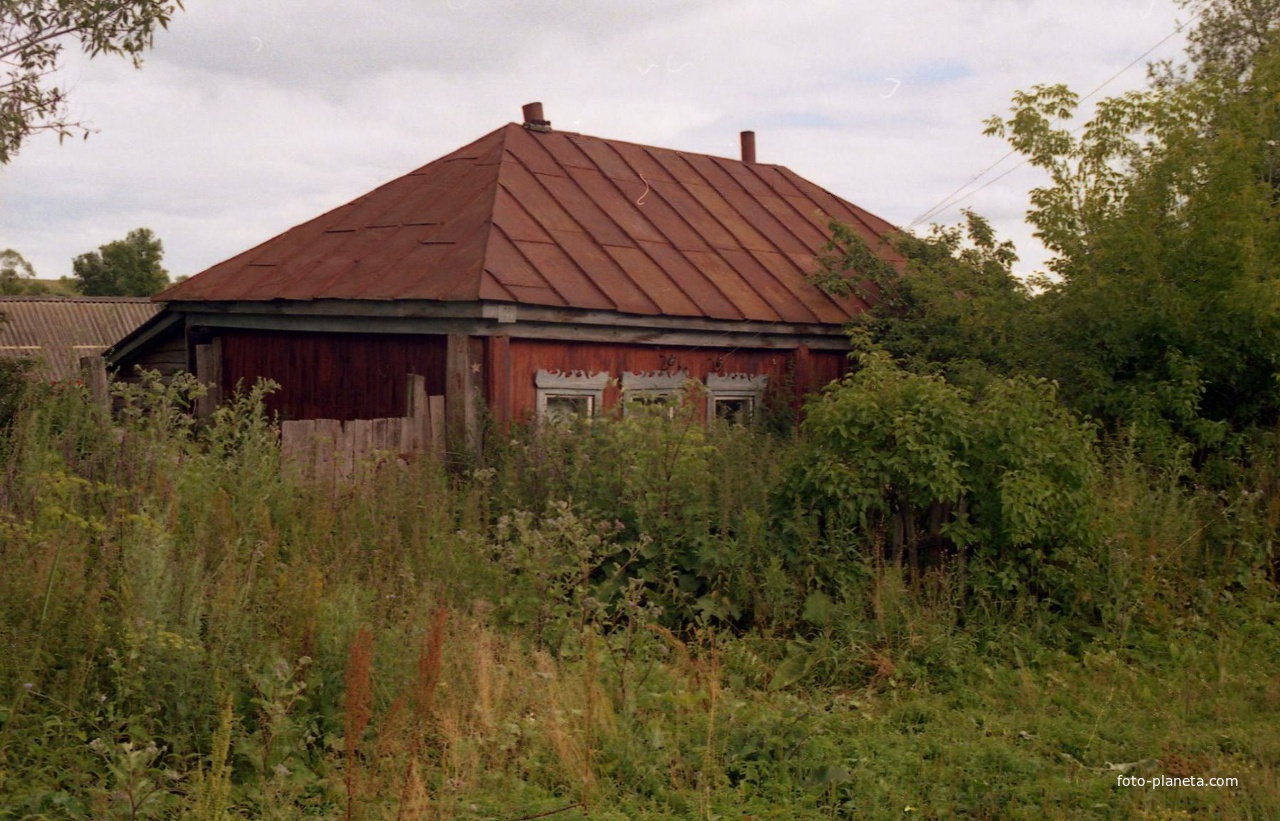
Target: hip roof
(558, 219)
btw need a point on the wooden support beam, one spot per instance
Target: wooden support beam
(498, 380)
(209, 372)
(436, 435)
(461, 372)
(802, 377)
(93, 370)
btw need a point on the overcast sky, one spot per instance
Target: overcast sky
(251, 116)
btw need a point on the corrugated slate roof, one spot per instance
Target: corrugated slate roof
(60, 330)
(564, 220)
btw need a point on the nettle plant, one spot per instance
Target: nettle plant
(927, 471)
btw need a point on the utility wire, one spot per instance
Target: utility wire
(956, 197)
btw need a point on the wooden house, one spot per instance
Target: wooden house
(540, 270)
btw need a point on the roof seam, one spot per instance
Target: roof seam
(674, 247)
(728, 231)
(582, 228)
(783, 197)
(550, 241)
(777, 248)
(749, 170)
(639, 246)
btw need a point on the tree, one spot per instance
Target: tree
(953, 307)
(1164, 213)
(32, 36)
(127, 267)
(1227, 38)
(16, 275)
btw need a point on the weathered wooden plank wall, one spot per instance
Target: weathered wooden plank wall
(168, 356)
(332, 451)
(332, 375)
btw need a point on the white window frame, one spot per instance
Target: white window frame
(575, 384)
(652, 385)
(736, 387)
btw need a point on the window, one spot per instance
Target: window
(735, 397)
(561, 407)
(563, 396)
(736, 409)
(652, 393)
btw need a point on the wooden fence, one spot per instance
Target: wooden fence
(332, 451)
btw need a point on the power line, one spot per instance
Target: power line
(956, 197)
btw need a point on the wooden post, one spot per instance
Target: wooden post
(209, 371)
(345, 457)
(93, 370)
(459, 393)
(298, 447)
(436, 427)
(360, 433)
(498, 380)
(382, 436)
(802, 377)
(419, 413)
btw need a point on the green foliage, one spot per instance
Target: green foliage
(908, 460)
(676, 487)
(127, 267)
(14, 376)
(32, 36)
(1226, 39)
(1163, 321)
(184, 623)
(885, 441)
(953, 306)
(17, 276)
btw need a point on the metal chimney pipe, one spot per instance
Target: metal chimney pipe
(533, 118)
(748, 146)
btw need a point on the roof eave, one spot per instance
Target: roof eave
(488, 318)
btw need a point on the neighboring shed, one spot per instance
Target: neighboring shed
(58, 331)
(547, 271)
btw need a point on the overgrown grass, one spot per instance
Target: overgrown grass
(622, 620)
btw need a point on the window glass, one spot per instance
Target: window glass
(737, 409)
(562, 407)
(735, 397)
(566, 395)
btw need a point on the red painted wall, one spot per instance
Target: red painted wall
(528, 356)
(332, 375)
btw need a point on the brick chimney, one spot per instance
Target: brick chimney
(533, 119)
(748, 146)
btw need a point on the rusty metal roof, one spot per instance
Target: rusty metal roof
(564, 220)
(59, 330)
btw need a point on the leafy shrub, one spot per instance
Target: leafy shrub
(924, 469)
(693, 496)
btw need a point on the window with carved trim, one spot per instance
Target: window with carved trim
(568, 395)
(655, 393)
(735, 397)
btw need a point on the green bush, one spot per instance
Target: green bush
(923, 470)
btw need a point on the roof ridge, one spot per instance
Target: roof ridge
(71, 298)
(486, 225)
(648, 146)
